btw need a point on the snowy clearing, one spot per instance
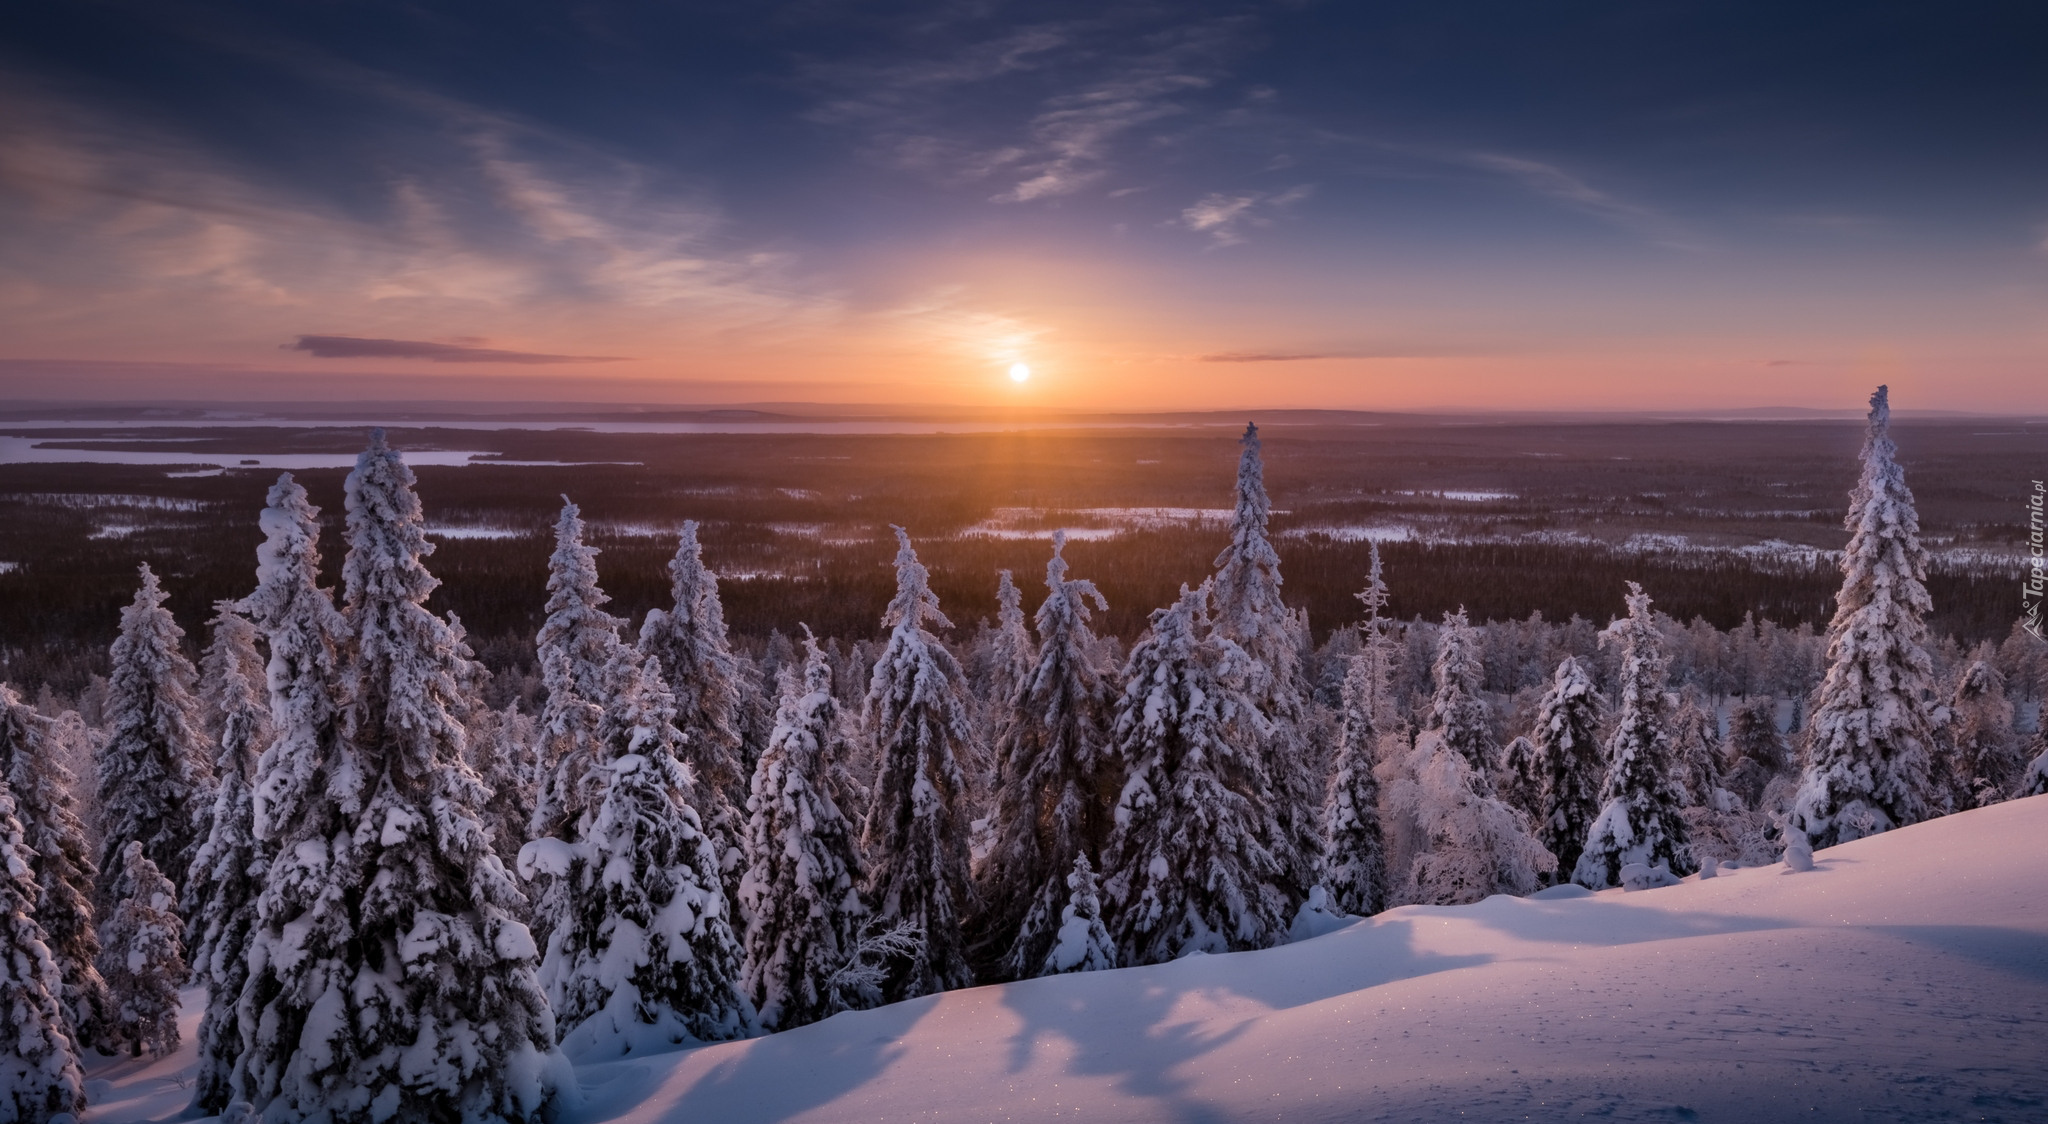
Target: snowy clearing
(1904, 979)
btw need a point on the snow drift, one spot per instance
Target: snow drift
(1904, 978)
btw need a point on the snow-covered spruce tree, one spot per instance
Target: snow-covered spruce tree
(1472, 845)
(1639, 822)
(1354, 846)
(1869, 735)
(389, 978)
(1083, 943)
(1249, 613)
(1458, 711)
(153, 770)
(2034, 782)
(1567, 738)
(1519, 775)
(1695, 750)
(39, 1074)
(142, 958)
(505, 755)
(59, 858)
(1011, 653)
(1191, 863)
(800, 891)
(228, 668)
(1054, 783)
(1378, 647)
(915, 834)
(642, 948)
(578, 646)
(228, 868)
(710, 685)
(1985, 760)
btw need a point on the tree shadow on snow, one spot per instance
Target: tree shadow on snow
(2019, 952)
(764, 1079)
(1142, 1027)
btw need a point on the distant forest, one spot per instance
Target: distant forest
(1551, 522)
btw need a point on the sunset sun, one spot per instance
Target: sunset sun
(1020, 372)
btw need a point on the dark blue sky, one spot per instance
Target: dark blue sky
(1607, 200)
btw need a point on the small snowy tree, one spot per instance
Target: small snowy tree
(1866, 760)
(229, 670)
(1249, 613)
(710, 685)
(1191, 864)
(153, 771)
(643, 948)
(1695, 750)
(227, 872)
(578, 646)
(916, 829)
(1082, 943)
(39, 1074)
(1471, 844)
(1011, 654)
(504, 753)
(1354, 846)
(2034, 782)
(1520, 775)
(390, 977)
(1459, 711)
(1639, 822)
(800, 892)
(141, 957)
(1053, 780)
(1378, 648)
(59, 858)
(1985, 760)
(1573, 766)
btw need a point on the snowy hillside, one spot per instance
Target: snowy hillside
(1904, 978)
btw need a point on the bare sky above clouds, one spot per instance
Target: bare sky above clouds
(1149, 205)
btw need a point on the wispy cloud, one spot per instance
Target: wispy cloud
(1271, 356)
(1090, 88)
(502, 226)
(1224, 217)
(355, 347)
(1556, 183)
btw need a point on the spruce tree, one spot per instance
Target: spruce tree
(231, 674)
(1012, 654)
(1870, 731)
(389, 978)
(504, 753)
(39, 1074)
(1054, 785)
(1083, 943)
(1519, 777)
(1755, 751)
(59, 858)
(1985, 761)
(1378, 647)
(153, 771)
(1573, 765)
(1695, 746)
(1472, 844)
(710, 685)
(1191, 864)
(1354, 846)
(228, 868)
(642, 947)
(1248, 611)
(801, 888)
(1639, 822)
(578, 646)
(916, 829)
(142, 959)
(1458, 711)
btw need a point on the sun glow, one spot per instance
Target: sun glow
(1019, 372)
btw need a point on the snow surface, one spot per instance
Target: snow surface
(1905, 978)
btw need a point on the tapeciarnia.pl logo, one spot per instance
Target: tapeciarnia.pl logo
(2037, 574)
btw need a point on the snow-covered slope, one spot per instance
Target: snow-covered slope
(1904, 978)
